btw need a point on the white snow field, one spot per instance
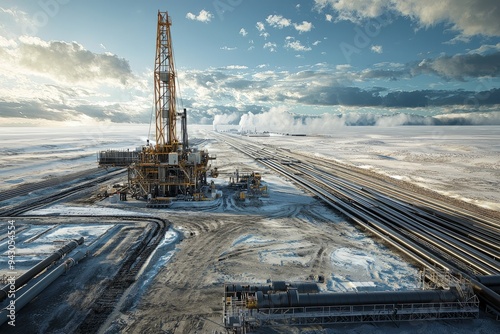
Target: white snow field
(461, 162)
(458, 161)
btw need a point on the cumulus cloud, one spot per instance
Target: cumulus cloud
(231, 118)
(469, 18)
(271, 46)
(204, 16)
(236, 67)
(61, 81)
(17, 16)
(459, 67)
(296, 45)
(280, 120)
(329, 17)
(243, 32)
(227, 48)
(71, 62)
(303, 27)
(278, 21)
(376, 48)
(260, 26)
(7, 43)
(486, 48)
(277, 119)
(326, 88)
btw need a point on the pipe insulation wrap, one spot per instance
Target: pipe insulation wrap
(292, 298)
(36, 289)
(40, 266)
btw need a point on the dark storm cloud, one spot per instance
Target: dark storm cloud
(457, 67)
(353, 96)
(348, 96)
(460, 67)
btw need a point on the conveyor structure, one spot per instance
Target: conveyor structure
(285, 304)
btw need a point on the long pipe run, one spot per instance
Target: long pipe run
(274, 286)
(38, 268)
(491, 280)
(292, 298)
(17, 304)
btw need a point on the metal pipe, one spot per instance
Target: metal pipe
(18, 303)
(490, 280)
(487, 294)
(292, 298)
(301, 287)
(38, 268)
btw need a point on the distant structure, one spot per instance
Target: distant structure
(168, 169)
(250, 185)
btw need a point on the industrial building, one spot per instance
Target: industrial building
(168, 169)
(293, 304)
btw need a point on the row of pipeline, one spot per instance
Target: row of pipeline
(19, 298)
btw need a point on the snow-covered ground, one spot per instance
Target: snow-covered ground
(457, 161)
(36, 242)
(289, 232)
(462, 162)
(36, 153)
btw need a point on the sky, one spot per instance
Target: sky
(350, 62)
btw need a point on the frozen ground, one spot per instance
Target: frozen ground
(457, 161)
(287, 236)
(32, 154)
(36, 242)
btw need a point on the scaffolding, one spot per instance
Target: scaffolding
(117, 158)
(168, 169)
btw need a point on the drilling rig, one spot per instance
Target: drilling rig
(167, 169)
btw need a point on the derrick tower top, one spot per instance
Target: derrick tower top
(165, 90)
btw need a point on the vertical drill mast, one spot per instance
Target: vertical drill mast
(164, 77)
(170, 170)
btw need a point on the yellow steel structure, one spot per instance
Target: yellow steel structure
(169, 169)
(164, 79)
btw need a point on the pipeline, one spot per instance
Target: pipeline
(35, 290)
(274, 286)
(38, 268)
(486, 294)
(491, 281)
(292, 298)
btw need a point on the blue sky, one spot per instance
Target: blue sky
(88, 61)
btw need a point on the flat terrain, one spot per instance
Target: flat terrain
(287, 236)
